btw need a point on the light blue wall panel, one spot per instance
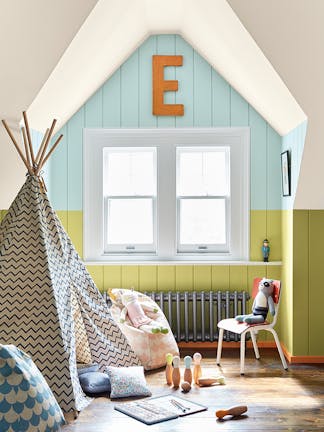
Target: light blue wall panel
(125, 100)
(75, 152)
(129, 92)
(146, 117)
(166, 45)
(184, 75)
(93, 110)
(273, 169)
(294, 143)
(59, 173)
(111, 102)
(221, 103)
(239, 110)
(258, 156)
(202, 92)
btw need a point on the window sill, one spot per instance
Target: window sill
(182, 263)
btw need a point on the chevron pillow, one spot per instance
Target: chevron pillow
(26, 401)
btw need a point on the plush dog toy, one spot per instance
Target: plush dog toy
(263, 302)
(136, 313)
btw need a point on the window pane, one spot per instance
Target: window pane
(202, 173)
(129, 172)
(130, 221)
(202, 221)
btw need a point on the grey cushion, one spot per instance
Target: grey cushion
(95, 382)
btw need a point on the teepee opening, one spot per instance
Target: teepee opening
(50, 306)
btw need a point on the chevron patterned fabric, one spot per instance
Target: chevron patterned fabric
(49, 304)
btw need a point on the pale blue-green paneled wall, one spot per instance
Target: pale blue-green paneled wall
(294, 143)
(125, 100)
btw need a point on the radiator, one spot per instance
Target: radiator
(193, 316)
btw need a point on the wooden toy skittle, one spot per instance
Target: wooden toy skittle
(208, 381)
(197, 368)
(187, 376)
(176, 372)
(168, 368)
(234, 411)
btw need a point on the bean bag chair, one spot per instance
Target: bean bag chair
(26, 402)
(152, 340)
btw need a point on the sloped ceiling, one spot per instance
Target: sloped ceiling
(115, 28)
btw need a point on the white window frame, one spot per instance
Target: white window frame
(166, 141)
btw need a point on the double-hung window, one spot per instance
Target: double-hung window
(166, 194)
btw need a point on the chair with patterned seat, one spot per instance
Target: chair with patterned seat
(232, 325)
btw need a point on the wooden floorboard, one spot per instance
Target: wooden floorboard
(277, 400)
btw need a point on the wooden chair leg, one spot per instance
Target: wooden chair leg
(282, 357)
(255, 346)
(242, 353)
(219, 346)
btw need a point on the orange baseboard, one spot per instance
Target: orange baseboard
(293, 359)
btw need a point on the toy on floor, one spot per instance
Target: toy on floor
(169, 368)
(176, 372)
(186, 387)
(197, 368)
(209, 381)
(187, 376)
(136, 314)
(263, 302)
(234, 411)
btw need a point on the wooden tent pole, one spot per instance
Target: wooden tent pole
(26, 146)
(28, 137)
(48, 138)
(42, 163)
(41, 147)
(17, 147)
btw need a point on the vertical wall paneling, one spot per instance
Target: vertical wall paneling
(58, 192)
(202, 92)
(184, 277)
(97, 275)
(129, 92)
(258, 231)
(112, 277)
(259, 165)
(221, 101)
(274, 234)
(185, 78)
(93, 110)
(166, 279)
(273, 170)
(148, 278)
(238, 278)
(166, 46)
(146, 118)
(111, 102)
(239, 110)
(74, 148)
(220, 277)
(130, 276)
(202, 278)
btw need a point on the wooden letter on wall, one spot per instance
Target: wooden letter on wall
(160, 85)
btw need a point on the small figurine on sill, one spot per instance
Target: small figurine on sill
(263, 302)
(265, 250)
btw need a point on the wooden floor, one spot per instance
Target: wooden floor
(277, 400)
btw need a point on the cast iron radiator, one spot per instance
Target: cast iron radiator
(193, 316)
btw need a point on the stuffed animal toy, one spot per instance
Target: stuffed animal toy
(136, 314)
(263, 302)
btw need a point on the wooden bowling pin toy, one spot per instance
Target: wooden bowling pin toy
(234, 411)
(168, 368)
(187, 376)
(176, 372)
(211, 380)
(197, 368)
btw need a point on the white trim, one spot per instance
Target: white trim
(183, 263)
(94, 142)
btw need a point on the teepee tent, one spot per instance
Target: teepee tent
(49, 305)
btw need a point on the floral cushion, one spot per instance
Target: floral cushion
(127, 381)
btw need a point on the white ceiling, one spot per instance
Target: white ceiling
(34, 34)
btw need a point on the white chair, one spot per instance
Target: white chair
(242, 329)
